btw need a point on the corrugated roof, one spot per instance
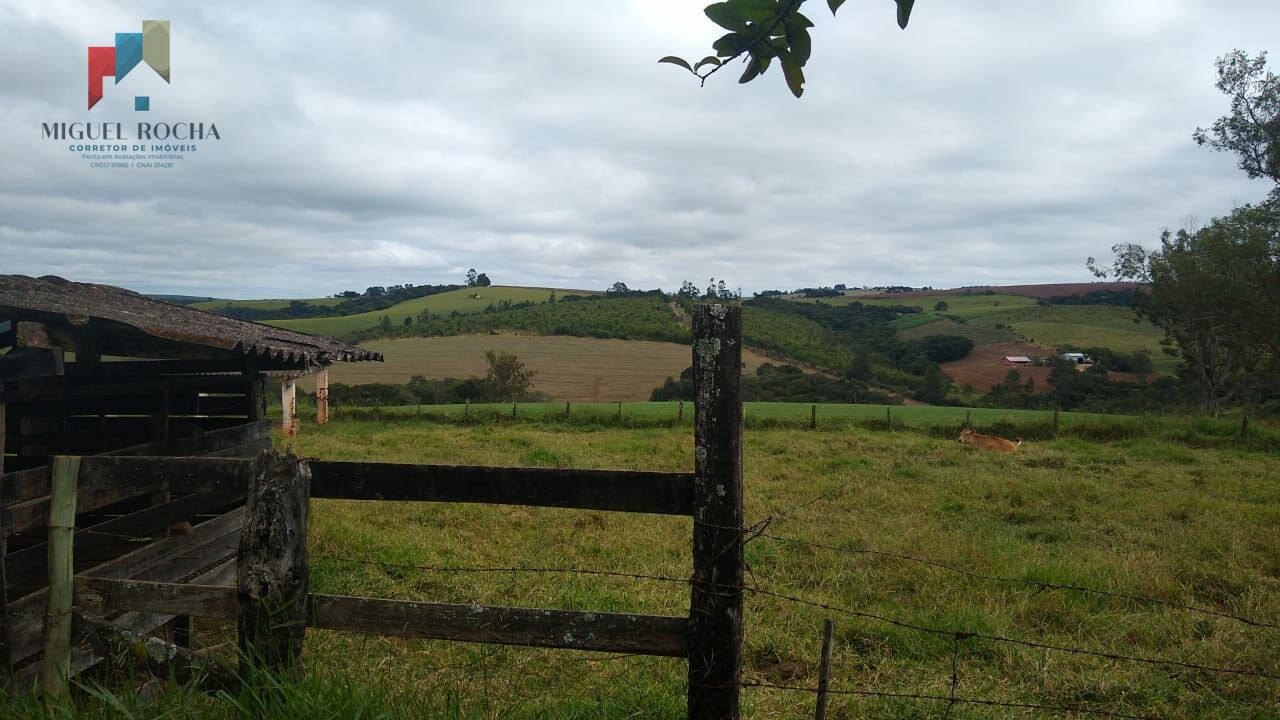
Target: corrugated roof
(112, 310)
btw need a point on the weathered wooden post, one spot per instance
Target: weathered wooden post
(715, 612)
(272, 575)
(824, 669)
(619, 411)
(289, 406)
(968, 422)
(6, 668)
(513, 409)
(55, 666)
(680, 413)
(813, 417)
(566, 408)
(1244, 426)
(888, 418)
(322, 397)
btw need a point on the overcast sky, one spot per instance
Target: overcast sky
(994, 141)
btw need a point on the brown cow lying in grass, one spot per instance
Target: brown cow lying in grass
(989, 442)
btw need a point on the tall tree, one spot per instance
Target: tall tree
(1252, 129)
(507, 378)
(1215, 292)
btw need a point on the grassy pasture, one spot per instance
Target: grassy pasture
(1141, 516)
(1084, 326)
(461, 301)
(569, 368)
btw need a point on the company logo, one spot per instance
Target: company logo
(150, 46)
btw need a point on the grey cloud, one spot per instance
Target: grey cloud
(991, 142)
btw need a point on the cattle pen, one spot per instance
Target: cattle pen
(142, 493)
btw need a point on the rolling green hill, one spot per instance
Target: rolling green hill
(467, 300)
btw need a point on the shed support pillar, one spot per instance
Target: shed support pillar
(322, 397)
(289, 406)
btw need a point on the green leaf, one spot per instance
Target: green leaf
(708, 60)
(677, 61)
(904, 12)
(756, 66)
(761, 11)
(793, 73)
(731, 44)
(722, 14)
(834, 5)
(798, 37)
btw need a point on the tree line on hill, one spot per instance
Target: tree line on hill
(353, 303)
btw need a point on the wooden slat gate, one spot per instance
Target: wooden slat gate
(710, 636)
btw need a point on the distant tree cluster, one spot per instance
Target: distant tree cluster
(781, 383)
(475, 279)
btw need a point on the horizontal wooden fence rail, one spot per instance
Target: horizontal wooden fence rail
(621, 490)
(109, 479)
(595, 631)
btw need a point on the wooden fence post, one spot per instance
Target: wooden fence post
(888, 418)
(566, 408)
(289, 406)
(619, 410)
(55, 666)
(513, 409)
(967, 421)
(813, 417)
(6, 668)
(824, 669)
(272, 575)
(322, 397)
(680, 413)
(1244, 426)
(715, 612)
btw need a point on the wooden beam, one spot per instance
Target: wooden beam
(103, 596)
(80, 391)
(108, 479)
(55, 668)
(572, 630)
(173, 559)
(620, 490)
(272, 576)
(107, 538)
(30, 364)
(162, 659)
(715, 609)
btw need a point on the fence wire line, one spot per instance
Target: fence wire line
(757, 590)
(1033, 583)
(951, 700)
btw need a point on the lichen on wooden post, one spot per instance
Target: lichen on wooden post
(715, 613)
(55, 666)
(272, 575)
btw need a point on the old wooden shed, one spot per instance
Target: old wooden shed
(98, 370)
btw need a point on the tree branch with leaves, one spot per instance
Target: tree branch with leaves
(761, 31)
